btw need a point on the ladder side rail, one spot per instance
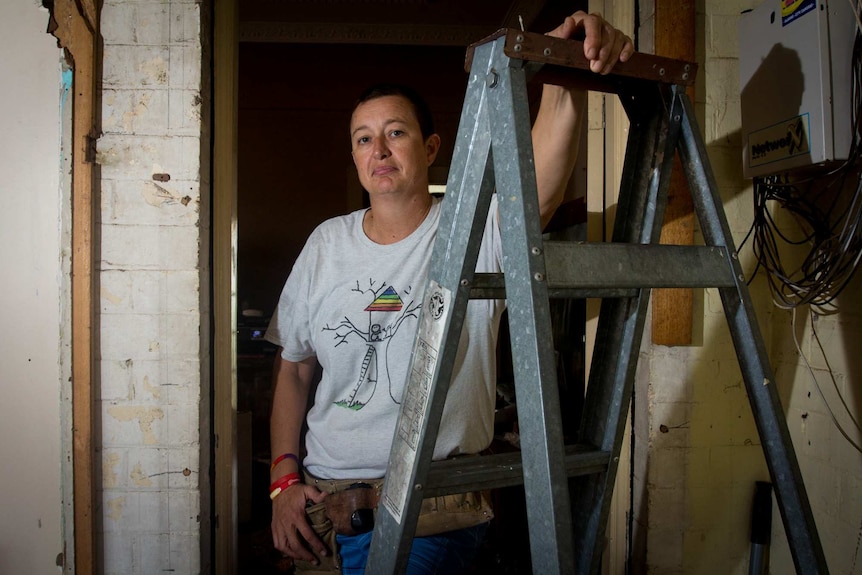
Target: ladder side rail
(462, 221)
(757, 373)
(539, 417)
(643, 192)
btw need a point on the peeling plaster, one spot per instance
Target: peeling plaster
(115, 508)
(139, 110)
(139, 478)
(110, 297)
(109, 474)
(154, 390)
(158, 196)
(157, 71)
(144, 416)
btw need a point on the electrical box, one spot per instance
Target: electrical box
(795, 60)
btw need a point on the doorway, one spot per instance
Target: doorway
(293, 170)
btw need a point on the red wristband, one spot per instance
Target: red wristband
(283, 483)
(281, 458)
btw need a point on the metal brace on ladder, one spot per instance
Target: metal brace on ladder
(493, 150)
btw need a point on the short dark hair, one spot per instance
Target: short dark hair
(420, 106)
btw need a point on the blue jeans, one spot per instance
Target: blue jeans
(445, 554)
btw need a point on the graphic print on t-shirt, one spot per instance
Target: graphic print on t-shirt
(386, 313)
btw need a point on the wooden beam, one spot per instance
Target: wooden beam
(672, 309)
(77, 32)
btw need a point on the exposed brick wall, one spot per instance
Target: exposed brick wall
(153, 254)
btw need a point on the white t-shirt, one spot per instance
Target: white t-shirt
(354, 304)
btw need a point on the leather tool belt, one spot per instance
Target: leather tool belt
(350, 508)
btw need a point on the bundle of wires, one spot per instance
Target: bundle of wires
(828, 208)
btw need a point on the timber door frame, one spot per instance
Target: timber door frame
(75, 24)
(224, 250)
(224, 269)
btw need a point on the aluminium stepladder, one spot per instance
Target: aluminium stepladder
(493, 151)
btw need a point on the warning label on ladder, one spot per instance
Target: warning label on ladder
(435, 314)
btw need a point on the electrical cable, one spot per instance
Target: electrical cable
(833, 232)
(817, 383)
(828, 211)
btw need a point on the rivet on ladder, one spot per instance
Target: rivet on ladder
(519, 38)
(547, 52)
(417, 487)
(517, 47)
(536, 251)
(465, 283)
(539, 277)
(491, 79)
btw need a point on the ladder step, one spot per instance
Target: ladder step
(493, 286)
(591, 265)
(579, 270)
(464, 474)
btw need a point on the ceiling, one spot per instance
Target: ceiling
(404, 22)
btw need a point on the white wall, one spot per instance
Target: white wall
(30, 292)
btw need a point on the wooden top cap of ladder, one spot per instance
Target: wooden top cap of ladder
(563, 63)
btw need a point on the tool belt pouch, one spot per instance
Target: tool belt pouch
(451, 512)
(354, 511)
(322, 526)
(350, 508)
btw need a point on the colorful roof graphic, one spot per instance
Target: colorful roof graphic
(387, 301)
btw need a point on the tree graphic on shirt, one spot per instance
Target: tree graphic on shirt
(386, 305)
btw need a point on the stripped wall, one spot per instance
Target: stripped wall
(153, 305)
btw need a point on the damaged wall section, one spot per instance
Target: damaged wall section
(153, 300)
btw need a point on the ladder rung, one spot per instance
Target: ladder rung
(493, 286)
(616, 265)
(464, 474)
(614, 270)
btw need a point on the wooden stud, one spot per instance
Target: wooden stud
(672, 309)
(75, 25)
